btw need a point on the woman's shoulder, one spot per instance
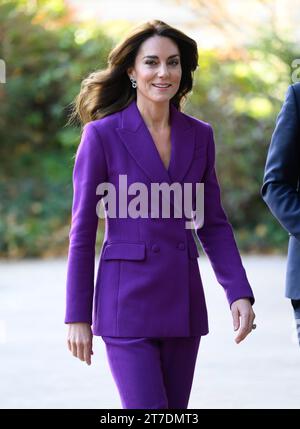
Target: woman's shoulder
(202, 125)
(107, 122)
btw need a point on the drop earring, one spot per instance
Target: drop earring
(133, 82)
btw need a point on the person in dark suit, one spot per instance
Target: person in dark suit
(149, 303)
(280, 189)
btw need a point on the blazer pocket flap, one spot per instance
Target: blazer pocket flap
(129, 251)
(192, 249)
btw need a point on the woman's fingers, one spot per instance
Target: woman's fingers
(74, 348)
(243, 317)
(80, 341)
(236, 319)
(251, 321)
(244, 330)
(83, 351)
(87, 353)
(246, 326)
(80, 348)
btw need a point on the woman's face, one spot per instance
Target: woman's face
(157, 62)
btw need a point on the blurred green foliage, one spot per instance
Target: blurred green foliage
(48, 53)
(241, 95)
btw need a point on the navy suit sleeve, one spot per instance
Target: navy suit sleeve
(89, 171)
(280, 183)
(217, 237)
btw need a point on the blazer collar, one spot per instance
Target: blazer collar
(135, 135)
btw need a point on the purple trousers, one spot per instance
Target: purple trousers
(152, 372)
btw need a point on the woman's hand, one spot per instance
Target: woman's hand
(80, 341)
(242, 308)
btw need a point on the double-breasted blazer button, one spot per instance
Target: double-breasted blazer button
(155, 248)
(181, 246)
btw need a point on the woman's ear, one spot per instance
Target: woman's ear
(129, 72)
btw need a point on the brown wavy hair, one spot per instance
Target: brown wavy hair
(107, 91)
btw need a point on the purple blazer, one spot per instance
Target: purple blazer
(148, 281)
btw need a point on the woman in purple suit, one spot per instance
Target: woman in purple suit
(148, 303)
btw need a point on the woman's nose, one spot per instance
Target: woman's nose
(163, 70)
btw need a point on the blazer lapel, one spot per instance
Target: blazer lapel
(137, 138)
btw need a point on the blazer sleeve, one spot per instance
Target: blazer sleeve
(280, 182)
(89, 170)
(217, 238)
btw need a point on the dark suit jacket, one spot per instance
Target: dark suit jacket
(280, 188)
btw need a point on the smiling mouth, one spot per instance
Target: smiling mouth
(161, 86)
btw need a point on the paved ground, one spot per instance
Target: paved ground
(38, 371)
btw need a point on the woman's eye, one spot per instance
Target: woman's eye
(175, 62)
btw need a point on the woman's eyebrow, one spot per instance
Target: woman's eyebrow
(155, 56)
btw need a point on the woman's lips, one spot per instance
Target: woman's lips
(162, 87)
